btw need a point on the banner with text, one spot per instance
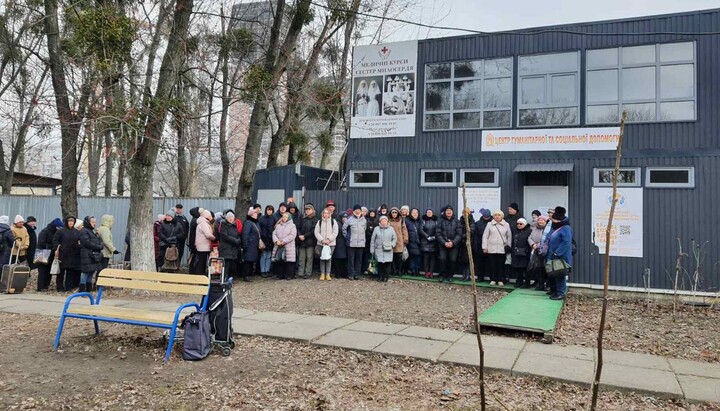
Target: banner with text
(551, 139)
(477, 198)
(626, 237)
(383, 90)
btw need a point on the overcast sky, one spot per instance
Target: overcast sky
(495, 15)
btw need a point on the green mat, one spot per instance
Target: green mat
(524, 310)
(454, 281)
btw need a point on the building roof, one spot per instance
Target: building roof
(32, 180)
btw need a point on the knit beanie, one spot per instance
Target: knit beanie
(4, 219)
(57, 223)
(19, 219)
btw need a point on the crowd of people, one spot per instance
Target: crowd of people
(285, 243)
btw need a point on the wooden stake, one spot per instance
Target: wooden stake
(468, 244)
(606, 274)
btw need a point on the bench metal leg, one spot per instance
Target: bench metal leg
(97, 327)
(59, 331)
(171, 341)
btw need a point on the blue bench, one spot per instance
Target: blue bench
(197, 285)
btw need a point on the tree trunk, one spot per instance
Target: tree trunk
(70, 121)
(142, 164)
(94, 149)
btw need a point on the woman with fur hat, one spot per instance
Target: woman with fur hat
(496, 245)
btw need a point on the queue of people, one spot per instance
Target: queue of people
(286, 243)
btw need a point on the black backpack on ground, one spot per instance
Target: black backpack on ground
(221, 312)
(197, 343)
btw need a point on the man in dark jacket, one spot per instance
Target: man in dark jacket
(45, 242)
(479, 257)
(449, 235)
(192, 229)
(293, 210)
(266, 224)
(91, 247)
(512, 217)
(182, 220)
(306, 241)
(282, 209)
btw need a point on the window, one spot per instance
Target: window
(653, 83)
(366, 178)
(468, 94)
(626, 177)
(549, 91)
(437, 178)
(479, 177)
(675, 177)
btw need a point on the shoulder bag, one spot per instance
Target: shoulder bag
(507, 247)
(557, 267)
(261, 243)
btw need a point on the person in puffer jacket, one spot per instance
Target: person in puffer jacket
(266, 224)
(306, 241)
(106, 223)
(449, 236)
(397, 222)
(203, 241)
(428, 243)
(91, 247)
(382, 243)
(354, 233)
(326, 233)
(45, 242)
(413, 227)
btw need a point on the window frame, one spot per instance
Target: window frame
(548, 75)
(423, 171)
(353, 184)
(481, 109)
(658, 100)
(598, 183)
(691, 177)
(495, 171)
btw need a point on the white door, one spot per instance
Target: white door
(543, 197)
(271, 197)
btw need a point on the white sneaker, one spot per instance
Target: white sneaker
(493, 283)
(500, 283)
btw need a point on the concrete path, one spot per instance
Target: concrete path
(655, 375)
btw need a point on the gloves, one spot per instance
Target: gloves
(116, 252)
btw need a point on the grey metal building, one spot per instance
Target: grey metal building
(664, 70)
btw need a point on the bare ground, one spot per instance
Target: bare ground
(631, 325)
(121, 369)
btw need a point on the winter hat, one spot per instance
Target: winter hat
(269, 207)
(31, 219)
(405, 208)
(383, 217)
(357, 207)
(559, 213)
(444, 209)
(206, 215)
(522, 221)
(229, 213)
(160, 217)
(170, 212)
(514, 206)
(543, 218)
(200, 211)
(364, 209)
(219, 216)
(4, 219)
(19, 219)
(536, 212)
(349, 211)
(57, 223)
(251, 210)
(485, 213)
(330, 203)
(309, 206)
(502, 215)
(178, 205)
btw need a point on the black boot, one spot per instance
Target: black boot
(82, 288)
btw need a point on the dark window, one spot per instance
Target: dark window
(675, 177)
(372, 177)
(441, 178)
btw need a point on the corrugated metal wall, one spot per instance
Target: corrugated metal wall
(668, 213)
(287, 178)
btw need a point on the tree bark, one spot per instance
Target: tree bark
(224, 157)
(142, 164)
(70, 121)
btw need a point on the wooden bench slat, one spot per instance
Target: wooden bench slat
(159, 317)
(151, 276)
(153, 286)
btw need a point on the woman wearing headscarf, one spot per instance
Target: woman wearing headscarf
(373, 108)
(326, 232)
(67, 248)
(495, 245)
(284, 237)
(91, 247)
(266, 225)
(230, 243)
(428, 244)
(250, 243)
(105, 233)
(382, 243)
(22, 238)
(361, 99)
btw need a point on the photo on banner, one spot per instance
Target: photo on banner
(384, 84)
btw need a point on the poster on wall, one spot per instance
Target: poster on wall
(551, 139)
(479, 197)
(383, 90)
(626, 237)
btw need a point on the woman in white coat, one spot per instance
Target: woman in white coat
(382, 242)
(326, 231)
(496, 242)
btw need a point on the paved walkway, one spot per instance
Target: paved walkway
(659, 376)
